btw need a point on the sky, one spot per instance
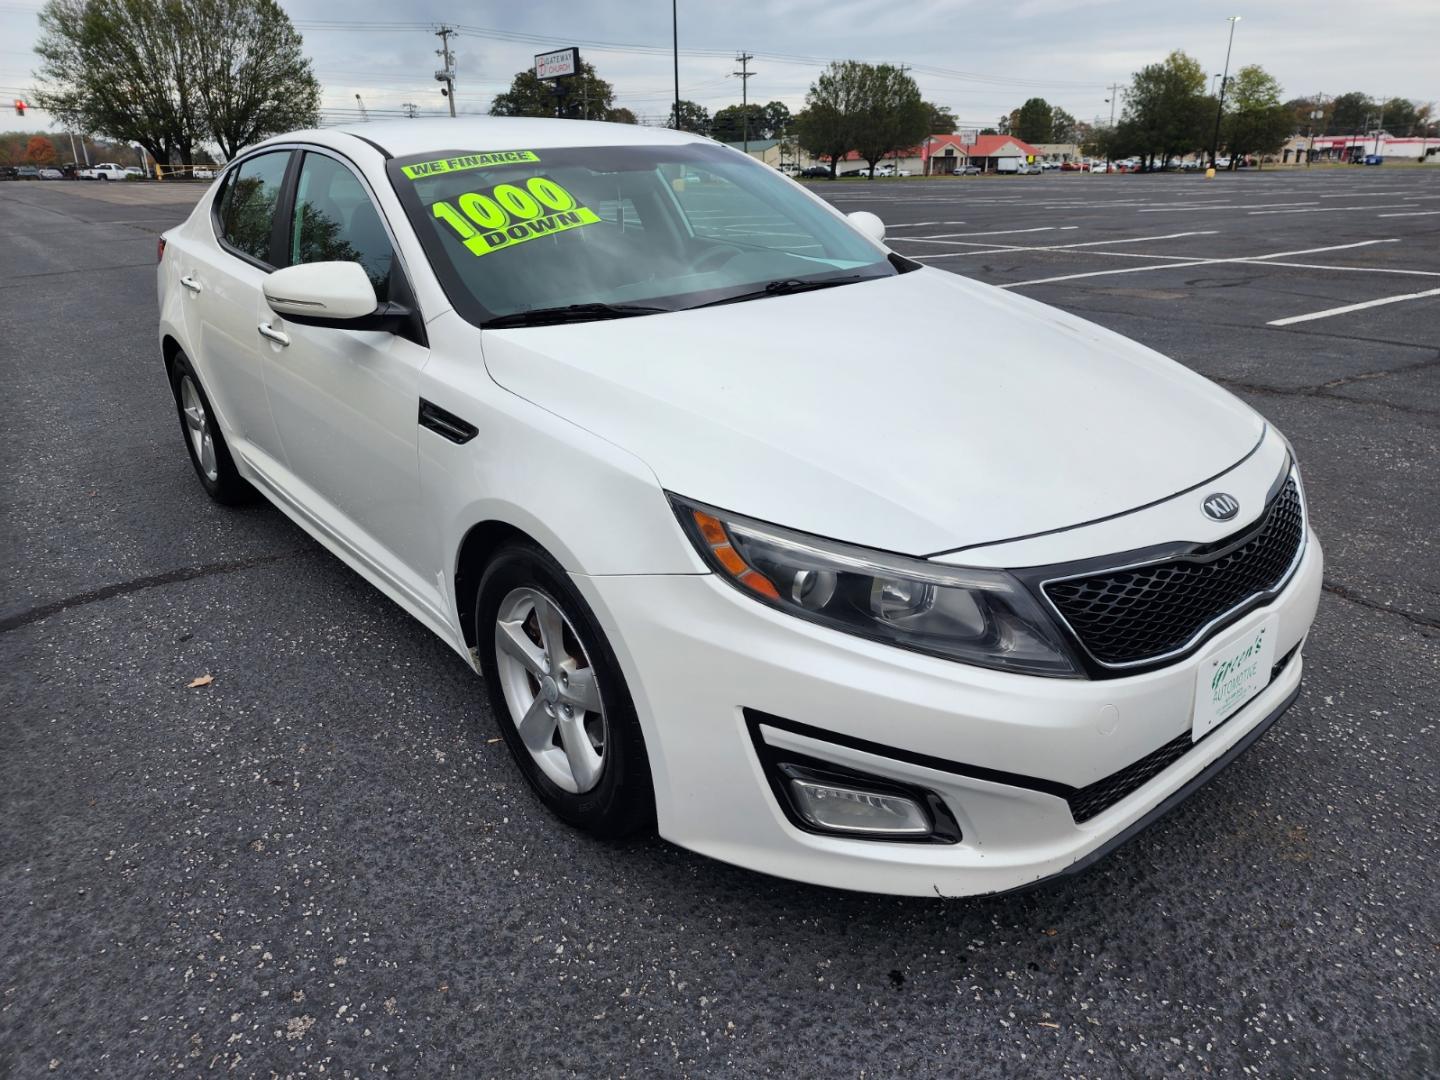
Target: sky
(981, 58)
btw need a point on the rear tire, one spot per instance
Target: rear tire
(204, 441)
(559, 696)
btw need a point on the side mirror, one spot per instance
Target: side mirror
(335, 291)
(869, 224)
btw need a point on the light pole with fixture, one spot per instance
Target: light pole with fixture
(1224, 81)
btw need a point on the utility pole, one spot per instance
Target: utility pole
(903, 69)
(364, 116)
(744, 76)
(411, 110)
(447, 73)
(1224, 81)
(1114, 89)
(675, 48)
(1315, 114)
(1379, 126)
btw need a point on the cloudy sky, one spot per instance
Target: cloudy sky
(980, 57)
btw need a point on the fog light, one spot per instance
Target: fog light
(838, 808)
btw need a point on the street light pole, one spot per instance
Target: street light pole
(675, 50)
(1224, 80)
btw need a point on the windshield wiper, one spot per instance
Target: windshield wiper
(785, 286)
(569, 313)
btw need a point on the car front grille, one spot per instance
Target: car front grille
(1141, 614)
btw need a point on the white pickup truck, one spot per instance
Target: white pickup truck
(106, 170)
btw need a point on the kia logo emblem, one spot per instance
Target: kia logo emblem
(1220, 506)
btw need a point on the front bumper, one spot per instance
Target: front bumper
(698, 655)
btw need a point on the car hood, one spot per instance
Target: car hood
(918, 413)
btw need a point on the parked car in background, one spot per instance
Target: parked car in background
(50, 173)
(888, 169)
(135, 171)
(814, 172)
(969, 170)
(27, 172)
(203, 172)
(9, 172)
(106, 170)
(1074, 166)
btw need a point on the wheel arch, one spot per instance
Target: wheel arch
(170, 348)
(476, 549)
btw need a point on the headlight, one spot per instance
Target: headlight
(982, 617)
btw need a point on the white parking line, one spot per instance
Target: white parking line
(1348, 308)
(1225, 206)
(1326, 209)
(940, 238)
(1196, 262)
(1412, 213)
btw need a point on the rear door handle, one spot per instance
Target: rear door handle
(191, 284)
(277, 336)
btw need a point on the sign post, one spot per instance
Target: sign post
(555, 66)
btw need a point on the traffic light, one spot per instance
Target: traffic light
(20, 107)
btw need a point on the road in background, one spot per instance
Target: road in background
(326, 860)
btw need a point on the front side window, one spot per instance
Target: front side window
(335, 221)
(247, 209)
(642, 228)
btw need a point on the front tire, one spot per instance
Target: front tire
(204, 440)
(559, 696)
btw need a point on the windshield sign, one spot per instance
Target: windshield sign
(604, 231)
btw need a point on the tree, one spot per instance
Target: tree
(1166, 108)
(1064, 128)
(826, 129)
(989, 131)
(170, 75)
(39, 151)
(1256, 120)
(777, 120)
(585, 96)
(1350, 114)
(693, 118)
(118, 67)
(734, 123)
(891, 115)
(250, 76)
(1035, 121)
(942, 120)
(622, 116)
(1400, 117)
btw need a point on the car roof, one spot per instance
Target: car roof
(404, 138)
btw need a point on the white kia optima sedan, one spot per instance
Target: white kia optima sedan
(751, 537)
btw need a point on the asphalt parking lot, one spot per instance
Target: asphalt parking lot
(324, 863)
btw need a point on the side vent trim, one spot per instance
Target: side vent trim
(446, 424)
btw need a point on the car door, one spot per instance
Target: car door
(221, 270)
(346, 402)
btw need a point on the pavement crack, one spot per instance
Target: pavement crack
(1324, 392)
(1334, 588)
(18, 619)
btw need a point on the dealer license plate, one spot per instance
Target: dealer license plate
(1231, 674)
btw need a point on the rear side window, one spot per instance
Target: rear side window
(335, 221)
(247, 209)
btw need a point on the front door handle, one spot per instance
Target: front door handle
(277, 336)
(191, 284)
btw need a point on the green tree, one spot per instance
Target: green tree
(1035, 121)
(825, 129)
(585, 96)
(1166, 108)
(734, 123)
(942, 120)
(891, 116)
(1064, 128)
(1256, 120)
(1350, 114)
(622, 116)
(250, 77)
(693, 118)
(777, 119)
(1401, 117)
(171, 74)
(119, 67)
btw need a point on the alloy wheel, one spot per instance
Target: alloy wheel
(549, 686)
(197, 425)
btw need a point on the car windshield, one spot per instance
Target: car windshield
(602, 232)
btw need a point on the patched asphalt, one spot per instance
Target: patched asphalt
(323, 863)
